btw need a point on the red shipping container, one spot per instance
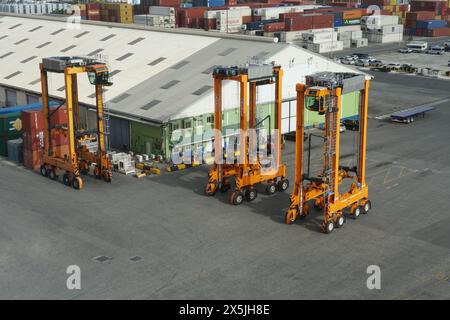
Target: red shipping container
(33, 140)
(167, 3)
(246, 19)
(32, 159)
(94, 17)
(419, 15)
(58, 116)
(32, 120)
(380, 3)
(93, 6)
(342, 4)
(440, 32)
(434, 6)
(283, 16)
(274, 27)
(410, 24)
(210, 24)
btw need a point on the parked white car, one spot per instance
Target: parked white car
(405, 50)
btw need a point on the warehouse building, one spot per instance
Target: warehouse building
(162, 78)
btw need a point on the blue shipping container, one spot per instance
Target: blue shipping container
(431, 24)
(256, 25)
(338, 23)
(209, 3)
(33, 106)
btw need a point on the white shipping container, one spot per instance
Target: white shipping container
(162, 11)
(320, 37)
(346, 35)
(384, 38)
(347, 43)
(359, 43)
(347, 28)
(289, 36)
(325, 46)
(356, 34)
(394, 28)
(377, 21)
(273, 12)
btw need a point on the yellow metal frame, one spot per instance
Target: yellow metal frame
(79, 158)
(303, 192)
(247, 173)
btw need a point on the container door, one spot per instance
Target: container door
(119, 134)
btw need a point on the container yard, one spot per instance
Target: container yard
(173, 150)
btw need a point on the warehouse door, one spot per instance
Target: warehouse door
(119, 134)
(11, 98)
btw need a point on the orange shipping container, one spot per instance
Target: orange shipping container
(352, 14)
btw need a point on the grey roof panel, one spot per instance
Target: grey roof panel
(68, 48)
(57, 31)
(21, 41)
(43, 45)
(13, 74)
(95, 52)
(202, 90)
(34, 29)
(125, 56)
(136, 41)
(180, 64)
(108, 37)
(28, 59)
(6, 54)
(155, 62)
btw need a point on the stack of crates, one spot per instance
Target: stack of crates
(116, 12)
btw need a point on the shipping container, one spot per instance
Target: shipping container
(32, 159)
(431, 24)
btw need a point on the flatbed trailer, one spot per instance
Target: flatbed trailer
(407, 116)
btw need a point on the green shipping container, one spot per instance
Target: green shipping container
(10, 122)
(10, 129)
(351, 22)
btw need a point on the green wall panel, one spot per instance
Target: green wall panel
(146, 138)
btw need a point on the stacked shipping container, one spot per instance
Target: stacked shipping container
(428, 18)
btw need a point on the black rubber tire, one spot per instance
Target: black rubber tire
(76, 183)
(357, 212)
(366, 207)
(271, 188)
(52, 174)
(282, 185)
(340, 221)
(251, 194)
(43, 171)
(236, 198)
(66, 180)
(329, 227)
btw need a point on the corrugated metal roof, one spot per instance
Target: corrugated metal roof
(148, 60)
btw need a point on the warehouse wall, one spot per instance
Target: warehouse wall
(146, 138)
(20, 97)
